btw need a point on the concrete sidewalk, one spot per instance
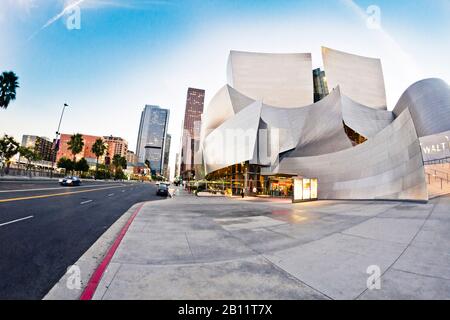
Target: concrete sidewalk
(219, 248)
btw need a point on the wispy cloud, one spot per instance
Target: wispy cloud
(386, 36)
(126, 4)
(23, 8)
(96, 4)
(66, 9)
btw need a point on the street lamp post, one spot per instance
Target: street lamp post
(56, 140)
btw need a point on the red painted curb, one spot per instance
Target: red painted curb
(92, 285)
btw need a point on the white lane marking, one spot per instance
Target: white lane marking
(87, 201)
(110, 195)
(123, 190)
(17, 220)
(45, 189)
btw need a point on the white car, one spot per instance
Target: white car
(70, 181)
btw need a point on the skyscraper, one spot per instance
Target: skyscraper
(320, 84)
(177, 166)
(191, 130)
(166, 170)
(152, 137)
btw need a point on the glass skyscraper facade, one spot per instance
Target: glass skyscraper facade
(152, 137)
(191, 130)
(320, 84)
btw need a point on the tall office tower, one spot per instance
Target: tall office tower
(41, 145)
(177, 165)
(152, 136)
(320, 84)
(191, 131)
(166, 170)
(116, 145)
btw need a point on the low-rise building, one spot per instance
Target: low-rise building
(41, 145)
(131, 157)
(116, 145)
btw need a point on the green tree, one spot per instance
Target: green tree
(82, 165)
(65, 164)
(119, 161)
(8, 85)
(8, 149)
(76, 144)
(29, 154)
(98, 148)
(147, 164)
(119, 164)
(119, 174)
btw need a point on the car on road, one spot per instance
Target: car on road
(70, 181)
(162, 190)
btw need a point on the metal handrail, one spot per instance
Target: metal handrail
(437, 161)
(437, 170)
(435, 175)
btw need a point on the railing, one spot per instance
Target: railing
(437, 175)
(31, 173)
(437, 161)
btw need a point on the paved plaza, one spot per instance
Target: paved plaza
(218, 248)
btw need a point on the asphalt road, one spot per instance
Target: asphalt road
(44, 228)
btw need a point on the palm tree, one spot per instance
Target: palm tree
(147, 164)
(8, 85)
(76, 145)
(119, 162)
(98, 148)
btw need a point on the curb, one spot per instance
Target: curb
(92, 285)
(91, 259)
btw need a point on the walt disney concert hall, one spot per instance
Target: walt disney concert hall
(277, 124)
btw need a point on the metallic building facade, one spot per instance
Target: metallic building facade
(278, 79)
(152, 136)
(252, 139)
(360, 78)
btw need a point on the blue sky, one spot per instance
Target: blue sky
(129, 53)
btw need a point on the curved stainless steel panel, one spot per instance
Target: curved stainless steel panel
(281, 80)
(311, 130)
(234, 141)
(223, 106)
(360, 78)
(428, 101)
(364, 120)
(388, 166)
